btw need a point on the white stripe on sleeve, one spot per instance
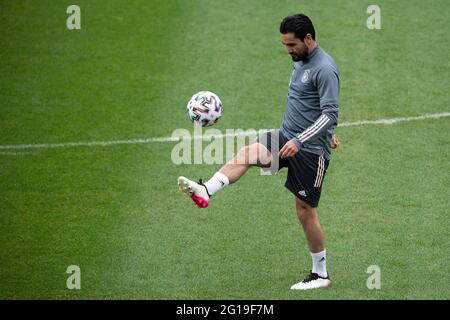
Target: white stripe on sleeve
(315, 128)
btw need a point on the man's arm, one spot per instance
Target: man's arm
(328, 88)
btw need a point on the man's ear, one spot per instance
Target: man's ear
(308, 39)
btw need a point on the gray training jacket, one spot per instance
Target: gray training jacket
(312, 103)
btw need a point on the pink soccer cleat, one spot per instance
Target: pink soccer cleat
(196, 191)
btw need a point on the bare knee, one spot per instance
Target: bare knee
(248, 155)
(305, 213)
(257, 155)
(243, 155)
(302, 214)
(244, 151)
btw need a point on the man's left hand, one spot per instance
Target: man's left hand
(334, 142)
(288, 150)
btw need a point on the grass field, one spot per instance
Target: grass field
(116, 211)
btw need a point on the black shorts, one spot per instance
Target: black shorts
(305, 170)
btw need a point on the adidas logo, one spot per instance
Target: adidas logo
(302, 193)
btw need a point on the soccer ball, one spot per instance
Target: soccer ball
(204, 108)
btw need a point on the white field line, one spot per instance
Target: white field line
(204, 137)
(395, 120)
(15, 153)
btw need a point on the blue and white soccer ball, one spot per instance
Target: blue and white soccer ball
(204, 108)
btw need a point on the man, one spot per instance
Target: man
(305, 138)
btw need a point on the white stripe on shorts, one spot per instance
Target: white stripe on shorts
(320, 171)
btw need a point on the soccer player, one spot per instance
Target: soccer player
(302, 144)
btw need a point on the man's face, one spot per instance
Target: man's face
(295, 47)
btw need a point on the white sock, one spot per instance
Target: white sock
(319, 260)
(217, 182)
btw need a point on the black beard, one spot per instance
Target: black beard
(298, 57)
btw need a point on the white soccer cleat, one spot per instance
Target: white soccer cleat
(196, 191)
(312, 281)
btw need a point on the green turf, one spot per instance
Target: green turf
(116, 211)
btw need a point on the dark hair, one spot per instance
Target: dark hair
(299, 24)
